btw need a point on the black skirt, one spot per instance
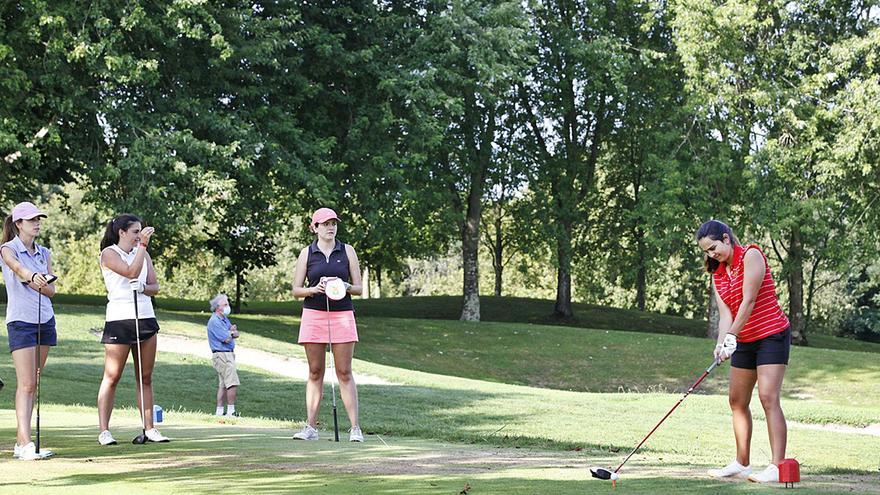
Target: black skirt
(123, 331)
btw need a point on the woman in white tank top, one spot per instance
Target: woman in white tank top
(124, 259)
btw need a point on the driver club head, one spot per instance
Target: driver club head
(603, 474)
(140, 439)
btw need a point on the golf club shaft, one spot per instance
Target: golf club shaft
(333, 365)
(37, 367)
(691, 389)
(137, 333)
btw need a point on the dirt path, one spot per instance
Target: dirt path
(476, 462)
(275, 363)
(873, 429)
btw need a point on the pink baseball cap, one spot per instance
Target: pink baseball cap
(321, 215)
(26, 211)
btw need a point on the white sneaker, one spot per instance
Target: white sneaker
(105, 438)
(29, 453)
(355, 435)
(770, 474)
(732, 470)
(307, 433)
(16, 451)
(153, 435)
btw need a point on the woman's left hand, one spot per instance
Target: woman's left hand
(726, 348)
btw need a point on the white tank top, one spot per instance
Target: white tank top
(120, 303)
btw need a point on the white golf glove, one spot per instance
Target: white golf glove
(136, 285)
(726, 348)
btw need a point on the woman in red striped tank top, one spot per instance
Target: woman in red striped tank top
(754, 333)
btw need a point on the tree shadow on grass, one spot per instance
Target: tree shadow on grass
(182, 383)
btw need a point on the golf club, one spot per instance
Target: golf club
(332, 292)
(37, 367)
(606, 474)
(142, 438)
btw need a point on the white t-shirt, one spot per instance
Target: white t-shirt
(120, 303)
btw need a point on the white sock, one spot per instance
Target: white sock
(230, 409)
(219, 411)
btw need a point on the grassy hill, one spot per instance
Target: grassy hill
(536, 403)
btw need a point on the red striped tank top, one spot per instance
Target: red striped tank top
(767, 317)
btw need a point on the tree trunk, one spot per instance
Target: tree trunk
(714, 315)
(563, 308)
(378, 282)
(796, 288)
(641, 272)
(365, 283)
(470, 240)
(238, 283)
(497, 259)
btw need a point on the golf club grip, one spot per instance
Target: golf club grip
(712, 366)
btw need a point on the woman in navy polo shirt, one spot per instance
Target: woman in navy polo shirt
(327, 258)
(27, 266)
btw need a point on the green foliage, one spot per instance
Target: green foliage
(593, 137)
(862, 324)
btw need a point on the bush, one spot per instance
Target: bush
(863, 324)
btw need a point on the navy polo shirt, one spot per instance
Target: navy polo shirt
(319, 266)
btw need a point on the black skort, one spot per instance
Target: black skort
(123, 331)
(773, 349)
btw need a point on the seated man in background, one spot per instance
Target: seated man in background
(221, 336)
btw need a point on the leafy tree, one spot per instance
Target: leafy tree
(567, 103)
(770, 69)
(45, 112)
(459, 73)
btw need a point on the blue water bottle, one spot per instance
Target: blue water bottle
(157, 413)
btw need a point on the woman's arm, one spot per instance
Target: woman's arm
(299, 277)
(34, 280)
(113, 261)
(754, 269)
(725, 319)
(49, 289)
(151, 288)
(354, 271)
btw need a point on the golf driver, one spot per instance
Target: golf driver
(38, 367)
(605, 474)
(332, 291)
(142, 438)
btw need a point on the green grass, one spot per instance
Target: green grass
(829, 385)
(479, 398)
(501, 309)
(206, 457)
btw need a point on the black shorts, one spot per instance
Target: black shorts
(123, 331)
(772, 349)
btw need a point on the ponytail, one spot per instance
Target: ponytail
(121, 222)
(715, 230)
(9, 230)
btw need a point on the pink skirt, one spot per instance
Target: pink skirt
(313, 328)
